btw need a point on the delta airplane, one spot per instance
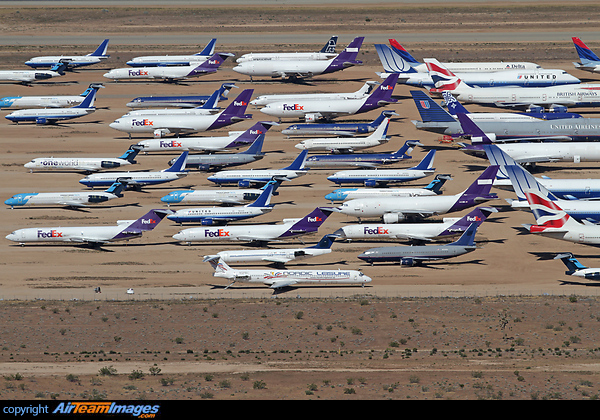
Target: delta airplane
(67, 199)
(26, 77)
(162, 125)
(345, 144)
(314, 109)
(245, 178)
(15, 102)
(299, 69)
(418, 254)
(93, 235)
(289, 228)
(234, 140)
(88, 164)
(188, 101)
(282, 279)
(278, 256)
(327, 52)
(139, 179)
(169, 73)
(44, 116)
(209, 216)
(71, 60)
(589, 60)
(217, 195)
(523, 77)
(174, 60)
(576, 269)
(433, 188)
(378, 177)
(417, 232)
(362, 160)
(336, 129)
(397, 209)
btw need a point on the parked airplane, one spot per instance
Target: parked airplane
(187, 101)
(88, 164)
(245, 178)
(377, 177)
(278, 256)
(433, 188)
(576, 269)
(169, 73)
(313, 110)
(420, 232)
(44, 116)
(336, 129)
(71, 60)
(289, 228)
(589, 61)
(162, 125)
(15, 102)
(26, 77)
(93, 235)
(298, 69)
(522, 77)
(139, 179)
(363, 92)
(362, 160)
(174, 60)
(418, 254)
(397, 209)
(345, 144)
(281, 279)
(67, 199)
(327, 52)
(217, 195)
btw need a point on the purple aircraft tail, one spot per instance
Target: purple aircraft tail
(478, 215)
(235, 111)
(211, 65)
(382, 95)
(478, 192)
(309, 223)
(145, 223)
(252, 134)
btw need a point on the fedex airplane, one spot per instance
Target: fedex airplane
(576, 269)
(337, 129)
(299, 69)
(364, 91)
(327, 52)
(217, 195)
(71, 60)
(59, 101)
(589, 61)
(362, 160)
(174, 60)
(67, 199)
(313, 109)
(88, 164)
(92, 235)
(289, 228)
(26, 77)
(169, 73)
(185, 101)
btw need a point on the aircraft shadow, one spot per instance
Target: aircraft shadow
(80, 209)
(287, 288)
(439, 265)
(578, 283)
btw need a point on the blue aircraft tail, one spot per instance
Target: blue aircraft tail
(88, 101)
(131, 153)
(468, 236)
(179, 164)
(60, 67)
(379, 120)
(264, 199)
(399, 49)
(325, 242)
(298, 163)
(407, 149)
(256, 147)
(571, 262)
(329, 47)
(224, 90)
(453, 105)
(276, 184)
(209, 49)
(391, 61)
(437, 183)
(586, 55)
(426, 162)
(213, 100)
(522, 180)
(117, 187)
(429, 109)
(101, 50)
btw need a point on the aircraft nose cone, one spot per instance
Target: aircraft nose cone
(335, 197)
(11, 202)
(300, 146)
(268, 110)
(109, 75)
(179, 236)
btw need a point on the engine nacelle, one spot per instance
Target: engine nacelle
(207, 222)
(312, 117)
(477, 139)
(243, 184)
(393, 217)
(535, 109)
(161, 132)
(370, 183)
(407, 261)
(41, 120)
(557, 108)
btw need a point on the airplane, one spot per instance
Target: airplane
(336, 129)
(345, 144)
(376, 177)
(299, 69)
(245, 178)
(169, 73)
(138, 179)
(174, 60)
(217, 195)
(419, 232)
(589, 61)
(71, 61)
(85, 164)
(327, 52)
(26, 77)
(188, 101)
(67, 199)
(418, 254)
(522, 77)
(313, 110)
(60, 101)
(234, 140)
(289, 228)
(92, 235)
(278, 256)
(209, 216)
(43, 116)
(362, 160)
(282, 279)
(162, 125)
(433, 188)
(397, 209)
(576, 269)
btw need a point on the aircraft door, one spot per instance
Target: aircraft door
(581, 237)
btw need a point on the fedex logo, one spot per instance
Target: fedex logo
(256, 132)
(214, 234)
(293, 107)
(314, 219)
(376, 231)
(473, 219)
(147, 221)
(137, 73)
(213, 62)
(50, 234)
(143, 122)
(386, 87)
(240, 103)
(171, 143)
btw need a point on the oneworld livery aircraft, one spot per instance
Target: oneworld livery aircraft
(71, 60)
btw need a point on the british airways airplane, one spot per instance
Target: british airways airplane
(71, 60)
(174, 60)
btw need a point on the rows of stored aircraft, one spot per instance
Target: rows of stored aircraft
(508, 140)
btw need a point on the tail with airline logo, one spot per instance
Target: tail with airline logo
(589, 60)
(429, 109)
(392, 61)
(399, 49)
(145, 223)
(381, 95)
(309, 223)
(210, 65)
(251, 135)
(237, 108)
(476, 216)
(443, 78)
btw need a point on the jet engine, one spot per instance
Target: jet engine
(407, 261)
(161, 132)
(370, 183)
(312, 117)
(393, 217)
(244, 184)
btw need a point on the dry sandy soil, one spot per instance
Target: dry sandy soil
(500, 323)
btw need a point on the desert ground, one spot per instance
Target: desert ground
(503, 322)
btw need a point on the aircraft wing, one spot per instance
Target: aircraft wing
(226, 201)
(72, 203)
(175, 129)
(279, 260)
(537, 159)
(283, 283)
(89, 239)
(292, 74)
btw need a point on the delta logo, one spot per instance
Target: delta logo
(138, 73)
(171, 143)
(376, 231)
(141, 123)
(293, 107)
(49, 234)
(216, 233)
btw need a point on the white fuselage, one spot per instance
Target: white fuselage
(404, 231)
(340, 143)
(170, 111)
(219, 195)
(254, 175)
(280, 68)
(368, 207)
(75, 164)
(79, 198)
(73, 60)
(133, 178)
(157, 60)
(282, 278)
(166, 123)
(267, 99)
(188, 143)
(285, 56)
(233, 233)
(66, 234)
(217, 213)
(299, 108)
(552, 152)
(27, 75)
(378, 175)
(49, 113)
(354, 193)
(40, 101)
(149, 73)
(481, 67)
(579, 234)
(280, 255)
